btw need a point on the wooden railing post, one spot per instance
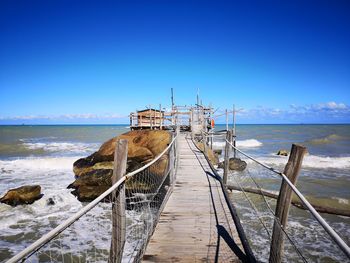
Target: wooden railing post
(171, 165)
(227, 156)
(150, 117)
(234, 144)
(118, 203)
(204, 139)
(291, 170)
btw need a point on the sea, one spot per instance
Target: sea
(44, 155)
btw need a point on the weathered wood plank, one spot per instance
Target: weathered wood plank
(118, 205)
(291, 170)
(186, 231)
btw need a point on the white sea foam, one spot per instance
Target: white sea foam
(326, 140)
(53, 174)
(250, 143)
(61, 146)
(311, 161)
(341, 200)
(41, 164)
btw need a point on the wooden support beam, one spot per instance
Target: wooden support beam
(150, 117)
(160, 117)
(291, 170)
(154, 119)
(319, 208)
(204, 139)
(118, 203)
(234, 131)
(226, 112)
(227, 156)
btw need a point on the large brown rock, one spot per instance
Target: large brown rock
(283, 152)
(27, 194)
(235, 164)
(94, 172)
(143, 146)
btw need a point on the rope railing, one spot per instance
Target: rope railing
(226, 212)
(86, 235)
(337, 239)
(256, 206)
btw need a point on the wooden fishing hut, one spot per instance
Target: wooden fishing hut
(147, 119)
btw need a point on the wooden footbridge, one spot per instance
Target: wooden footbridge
(176, 208)
(187, 230)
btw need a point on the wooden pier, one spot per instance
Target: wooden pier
(187, 229)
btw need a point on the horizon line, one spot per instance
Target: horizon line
(125, 124)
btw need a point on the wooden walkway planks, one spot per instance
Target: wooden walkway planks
(186, 231)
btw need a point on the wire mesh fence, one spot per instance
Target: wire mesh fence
(255, 190)
(228, 242)
(86, 236)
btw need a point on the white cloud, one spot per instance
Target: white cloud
(328, 112)
(331, 106)
(322, 113)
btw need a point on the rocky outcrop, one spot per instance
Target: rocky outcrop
(235, 164)
(94, 172)
(27, 194)
(283, 152)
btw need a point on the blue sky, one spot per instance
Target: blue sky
(95, 61)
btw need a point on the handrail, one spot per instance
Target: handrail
(338, 240)
(61, 227)
(242, 236)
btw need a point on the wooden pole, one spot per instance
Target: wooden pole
(204, 143)
(227, 156)
(234, 131)
(191, 119)
(118, 203)
(160, 117)
(212, 132)
(192, 122)
(226, 120)
(150, 117)
(155, 119)
(172, 99)
(233, 119)
(171, 163)
(131, 118)
(137, 119)
(296, 203)
(291, 170)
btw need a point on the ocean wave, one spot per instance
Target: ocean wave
(61, 146)
(250, 143)
(310, 161)
(38, 139)
(342, 201)
(41, 164)
(326, 140)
